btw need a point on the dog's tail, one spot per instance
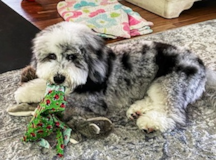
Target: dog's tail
(211, 79)
(211, 87)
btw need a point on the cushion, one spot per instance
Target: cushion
(164, 8)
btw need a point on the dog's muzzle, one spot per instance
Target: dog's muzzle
(58, 79)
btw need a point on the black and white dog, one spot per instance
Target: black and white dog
(154, 81)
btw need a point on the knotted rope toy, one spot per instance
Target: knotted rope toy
(45, 121)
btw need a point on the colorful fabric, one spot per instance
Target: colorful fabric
(44, 121)
(108, 18)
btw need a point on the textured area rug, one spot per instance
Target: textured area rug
(197, 141)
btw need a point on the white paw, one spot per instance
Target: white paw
(147, 124)
(154, 121)
(31, 92)
(139, 108)
(134, 112)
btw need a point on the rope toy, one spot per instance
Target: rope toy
(45, 121)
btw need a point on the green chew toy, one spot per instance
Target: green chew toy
(44, 121)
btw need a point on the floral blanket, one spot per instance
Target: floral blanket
(108, 18)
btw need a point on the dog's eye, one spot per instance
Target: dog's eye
(51, 56)
(71, 57)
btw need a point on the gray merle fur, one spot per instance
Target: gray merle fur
(121, 76)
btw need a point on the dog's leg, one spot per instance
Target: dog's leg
(27, 96)
(155, 120)
(31, 92)
(164, 106)
(152, 111)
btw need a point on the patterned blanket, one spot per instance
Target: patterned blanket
(108, 18)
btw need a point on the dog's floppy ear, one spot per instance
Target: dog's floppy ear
(96, 57)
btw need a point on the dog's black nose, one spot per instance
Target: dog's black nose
(58, 79)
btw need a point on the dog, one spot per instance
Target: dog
(153, 81)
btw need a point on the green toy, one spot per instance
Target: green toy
(45, 121)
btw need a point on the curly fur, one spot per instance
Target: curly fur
(155, 81)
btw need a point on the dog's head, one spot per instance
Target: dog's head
(69, 53)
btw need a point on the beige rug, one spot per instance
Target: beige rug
(197, 141)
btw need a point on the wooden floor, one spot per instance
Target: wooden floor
(44, 15)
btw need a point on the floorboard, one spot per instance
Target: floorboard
(44, 15)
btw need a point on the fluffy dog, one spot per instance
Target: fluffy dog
(154, 81)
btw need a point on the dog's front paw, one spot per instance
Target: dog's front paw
(31, 92)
